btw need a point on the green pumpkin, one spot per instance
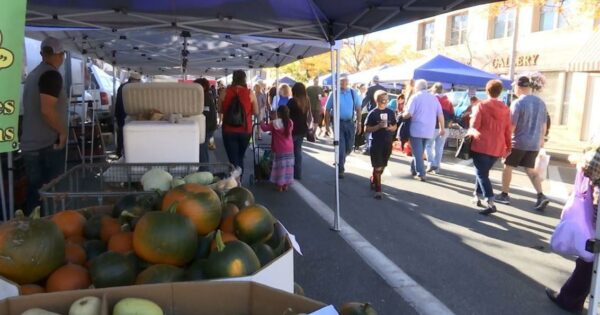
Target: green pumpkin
(236, 259)
(112, 270)
(94, 248)
(196, 270)
(254, 224)
(30, 248)
(160, 274)
(204, 243)
(264, 253)
(92, 227)
(239, 196)
(355, 308)
(165, 237)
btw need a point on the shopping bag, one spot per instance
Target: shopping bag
(541, 164)
(404, 130)
(463, 151)
(576, 221)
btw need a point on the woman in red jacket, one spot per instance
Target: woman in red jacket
(491, 132)
(236, 138)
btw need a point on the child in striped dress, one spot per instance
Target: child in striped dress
(282, 145)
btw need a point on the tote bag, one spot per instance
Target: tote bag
(576, 221)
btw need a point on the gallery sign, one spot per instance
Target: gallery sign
(521, 61)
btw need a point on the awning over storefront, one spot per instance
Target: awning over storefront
(588, 58)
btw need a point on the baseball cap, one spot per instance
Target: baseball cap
(344, 76)
(54, 44)
(523, 81)
(375, 79)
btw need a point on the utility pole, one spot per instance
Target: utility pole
(513, 53)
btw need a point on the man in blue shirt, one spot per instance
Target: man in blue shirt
(350, 108)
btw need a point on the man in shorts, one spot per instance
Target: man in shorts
(528, 115)
(381, 123)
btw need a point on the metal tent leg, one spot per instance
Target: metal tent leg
(335, 62)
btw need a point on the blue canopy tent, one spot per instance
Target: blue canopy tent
(287, 80)
(141, 33)
(446, 70)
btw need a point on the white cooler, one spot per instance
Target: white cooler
(162, 142)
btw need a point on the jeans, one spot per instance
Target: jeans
(298, 156)
(41, 167)
(435, 149)
(418, 165)
(120, 144)
(204, 147)
(236, 145)
(483, 164)
(347, 132)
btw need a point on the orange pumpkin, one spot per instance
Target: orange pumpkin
(121, 242)
(226, 237)
(29, 289)
(199, 203)
(227, 225)
(109, 227)
(68, 277)
(70, 222)
(75, 254)
(76, 239)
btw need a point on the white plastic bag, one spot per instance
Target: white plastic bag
(541, 164)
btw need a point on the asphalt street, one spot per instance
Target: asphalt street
(469, 263)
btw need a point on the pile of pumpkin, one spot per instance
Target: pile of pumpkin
(189, 233)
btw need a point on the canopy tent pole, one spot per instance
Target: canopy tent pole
(335, 61)
(2, 193)
(513, 52)
(11, 185)
(114, 101)
(595, 288)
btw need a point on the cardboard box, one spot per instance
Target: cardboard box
(278, 274)
(186, 298)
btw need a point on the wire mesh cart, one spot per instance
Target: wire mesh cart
(261, 156)
(97, 184)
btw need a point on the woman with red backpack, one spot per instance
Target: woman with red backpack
(238, 104)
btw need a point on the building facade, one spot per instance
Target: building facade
(550, 40)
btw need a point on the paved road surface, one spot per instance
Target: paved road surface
(466, 262)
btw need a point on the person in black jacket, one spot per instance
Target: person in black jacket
(299, 112)
(120, 114)
(210, 112)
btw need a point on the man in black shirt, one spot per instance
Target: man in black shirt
(381, 123)
(44, 121)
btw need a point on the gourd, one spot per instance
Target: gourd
(156, 179)
(89, 305)
(136, 306)
(202, 178)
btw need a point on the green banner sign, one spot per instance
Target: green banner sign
(12, 36)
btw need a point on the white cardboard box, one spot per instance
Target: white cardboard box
(162, 142)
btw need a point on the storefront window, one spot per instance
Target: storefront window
(458, 33)
(426, 35)
(504, 23)
(555, 14)
(550, 94)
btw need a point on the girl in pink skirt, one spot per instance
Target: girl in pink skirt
(282, 145)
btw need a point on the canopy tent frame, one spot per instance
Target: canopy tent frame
(324, 20)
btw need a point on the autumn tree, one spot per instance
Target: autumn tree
(359, 54)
